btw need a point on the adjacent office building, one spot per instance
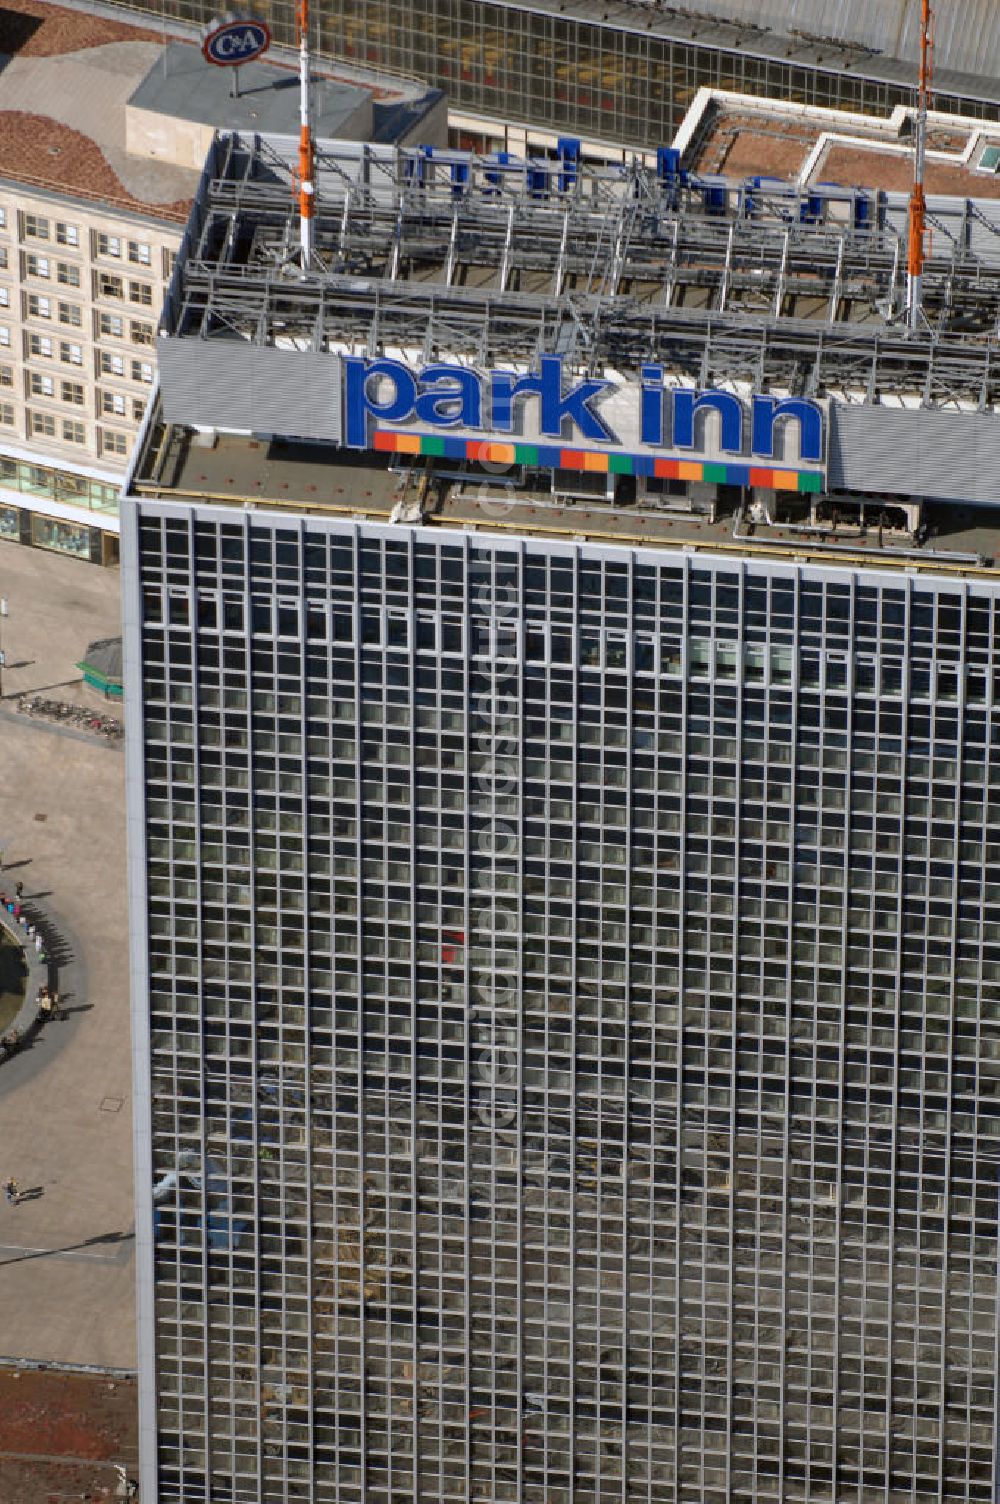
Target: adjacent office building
(105, 129)
(625, 72)
(564, 808)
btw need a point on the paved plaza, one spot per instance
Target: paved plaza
(66, 1259)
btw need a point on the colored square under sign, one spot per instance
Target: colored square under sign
(688, 470)
(407, 443)
(527, 454)
(596, 461)
(667, 469)
(715, 475)
(432, 444)
(621, 464)
(810, 481)
(785, 480)
(760, 477)
(548, 456)
(385, 442)
(499, 454)
(571, 459)
(736, 475)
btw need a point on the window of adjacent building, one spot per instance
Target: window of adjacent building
(112, 364)
(3, 258)
(67, 234)
(138, 409)
(140, 333)
(4, 297)
(142, 370)
(3, 219)
(74, 431)
(37, 266)
(39, 307)
(42, 425)
(141, 292)
(71, 313)
(169, 262)
(70, 353)
(72, 391)
(36, 227)
(68, 274)
(40, 344)
(113, 403)
(5, 335)
(140, 253)
(6, 375)
(7, 414)
(108, 245)
(111, 325)
(110, 286)
(40, 385)
(113, 442)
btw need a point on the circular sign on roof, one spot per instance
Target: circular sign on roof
(232, 42)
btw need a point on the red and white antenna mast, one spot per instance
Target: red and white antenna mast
(306, 184)
(918, 204)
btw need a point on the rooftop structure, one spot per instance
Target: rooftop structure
(747, 287)
(742, 137)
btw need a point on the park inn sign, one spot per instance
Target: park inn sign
(544, 420)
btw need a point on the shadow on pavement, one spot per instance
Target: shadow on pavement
(45, 1253)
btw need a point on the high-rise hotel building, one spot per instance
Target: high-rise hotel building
(566, 898)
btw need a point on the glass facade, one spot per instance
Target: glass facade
(568, 72)
(58, 485)
(573, 984)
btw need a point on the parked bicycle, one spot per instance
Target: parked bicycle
(70, 715)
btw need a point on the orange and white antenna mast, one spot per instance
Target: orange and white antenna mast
(918, 204)
(305, 178)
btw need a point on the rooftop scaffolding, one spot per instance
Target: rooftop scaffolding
(495, 262)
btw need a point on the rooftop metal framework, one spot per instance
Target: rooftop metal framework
(494, 261)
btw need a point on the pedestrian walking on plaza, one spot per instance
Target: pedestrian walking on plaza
(19, 892)
(11, 1191)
